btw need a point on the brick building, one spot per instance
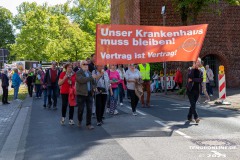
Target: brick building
(222, 42)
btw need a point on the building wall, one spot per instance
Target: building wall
(125, 12)
(222, 39)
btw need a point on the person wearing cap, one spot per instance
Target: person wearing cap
(51, 81)
(145, 74)
(5, 84)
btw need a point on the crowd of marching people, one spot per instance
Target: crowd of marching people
(100, 89)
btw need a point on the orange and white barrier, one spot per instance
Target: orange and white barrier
(170, 82)
(222, 86)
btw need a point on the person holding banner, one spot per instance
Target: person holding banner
(132, 75)
(195, 78)
(145, 74)
(114, 80)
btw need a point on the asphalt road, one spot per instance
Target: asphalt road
(159, 132)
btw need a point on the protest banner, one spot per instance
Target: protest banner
(125, 44)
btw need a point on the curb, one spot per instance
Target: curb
(10, 147)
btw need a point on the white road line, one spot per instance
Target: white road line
(176, 104)
(139, 112)
(181, 133)
(178, 132)
(161, 123)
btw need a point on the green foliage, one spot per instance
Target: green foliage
(48, 33)
(190, 9)
(6, 30)
(156, 67)
(89, 13)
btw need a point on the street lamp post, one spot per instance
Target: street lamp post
(164, 63)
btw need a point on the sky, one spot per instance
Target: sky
(12, 4)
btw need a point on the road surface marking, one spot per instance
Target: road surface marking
(168, 127)
(176, 104)
(161, 123)
(139, 112)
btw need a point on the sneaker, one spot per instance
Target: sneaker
(62, 121)
(71, 122)
(197, 120)
(107, 110)
(207, 101)
(115, 112)
(190, 120)
(79, 124)
(135, 113)
(44, 106)
(102, 122)
(210, 95)
(90, 127)
(99, 123)
(121, 104)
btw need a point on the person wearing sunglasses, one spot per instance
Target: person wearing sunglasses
(85, 86)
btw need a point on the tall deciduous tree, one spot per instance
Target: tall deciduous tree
(6, 30)
(87, 14)
(190, 9)
(46, 33)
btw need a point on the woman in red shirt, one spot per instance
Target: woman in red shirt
(67, 80)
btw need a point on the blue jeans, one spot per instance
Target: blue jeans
(209, 89)
(115, 95)
(16, 89)
(45, 95)
(38, 90)
(52, 94)
(121, 93)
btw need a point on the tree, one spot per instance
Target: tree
(87, 14)
(6, 30)
(33, 36)
(190, 9)
(48, 34)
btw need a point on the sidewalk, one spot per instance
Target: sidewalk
(233, 96)
(8, 115)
